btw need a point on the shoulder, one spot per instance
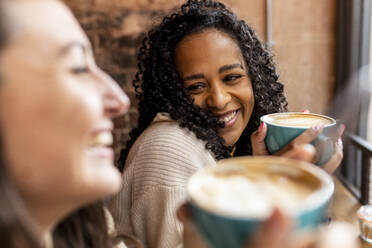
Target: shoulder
(166, 132)
(166, 154)
(170, 140)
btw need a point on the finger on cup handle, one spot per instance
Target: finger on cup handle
(336, 158)
(337, 131)
(341, 130)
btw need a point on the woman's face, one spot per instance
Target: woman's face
(215, 75)
(56, 107)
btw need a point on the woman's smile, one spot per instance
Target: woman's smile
(99, 145)
(228, 118)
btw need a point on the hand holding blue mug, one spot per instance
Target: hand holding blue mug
(288, 134)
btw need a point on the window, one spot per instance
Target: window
(353, 99)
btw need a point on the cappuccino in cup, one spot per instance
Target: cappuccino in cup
(282, 128)
(298, 120)
(252, 188)
(229, 201)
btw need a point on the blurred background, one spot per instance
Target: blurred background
(321, 48)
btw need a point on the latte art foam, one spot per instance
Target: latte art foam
(234, 196)
(296, 119)
(252, 192)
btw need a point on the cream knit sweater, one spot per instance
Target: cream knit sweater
(154, 182)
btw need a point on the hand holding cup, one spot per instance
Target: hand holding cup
(290, 135)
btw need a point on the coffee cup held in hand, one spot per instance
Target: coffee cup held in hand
(230, 200)
(282, 128)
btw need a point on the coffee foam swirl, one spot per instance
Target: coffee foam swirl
(234, 196)
(253, 191)
(296, 119)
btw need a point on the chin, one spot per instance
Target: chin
(110, 182)
(230, 141)
(104, 180)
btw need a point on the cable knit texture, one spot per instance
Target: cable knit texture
(154, 182)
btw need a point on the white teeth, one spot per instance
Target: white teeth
(229, 117)
(102, 139)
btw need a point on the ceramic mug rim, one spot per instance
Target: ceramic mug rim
(315, 200)
(265, 117)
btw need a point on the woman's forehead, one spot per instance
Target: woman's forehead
(209, 40)
(44, 21)
(208, 48)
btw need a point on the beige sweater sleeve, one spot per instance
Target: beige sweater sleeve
(154, 216)
(157, 169)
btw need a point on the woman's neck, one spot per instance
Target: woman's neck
(44, 223)
(45, 218)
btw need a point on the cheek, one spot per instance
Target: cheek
(247, 100)
(250, 99)
(199, 101)
(84, 111)
(45, 144)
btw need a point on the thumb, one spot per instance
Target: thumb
(183, 214)
(274, 233)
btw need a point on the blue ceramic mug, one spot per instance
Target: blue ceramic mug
(282, 128)
(228, 213)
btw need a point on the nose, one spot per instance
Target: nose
(115, 101)
(218, 97)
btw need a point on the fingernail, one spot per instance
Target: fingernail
(261, 126)
(305, 111)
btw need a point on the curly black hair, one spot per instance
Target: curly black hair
(159, 87)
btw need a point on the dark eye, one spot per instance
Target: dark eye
(80, 70)
(230, 78)
(195, 88)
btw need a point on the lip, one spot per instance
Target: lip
(100, 149)
(106, 127)
(232, 121)
(219, 115)
(100, 152)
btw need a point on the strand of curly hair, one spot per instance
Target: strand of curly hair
(159, 88)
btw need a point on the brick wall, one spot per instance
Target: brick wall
(116, 30)
(303, 31)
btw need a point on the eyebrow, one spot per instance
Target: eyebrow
(222, 69)
(192, 77)
(65, 49)
(229, 67)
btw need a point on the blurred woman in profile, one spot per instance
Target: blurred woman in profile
(56, 107)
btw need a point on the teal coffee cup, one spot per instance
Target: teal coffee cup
(229, 201)
(282, 128)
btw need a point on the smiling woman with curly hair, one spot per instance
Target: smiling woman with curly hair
(160, 88)
(204, 80)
